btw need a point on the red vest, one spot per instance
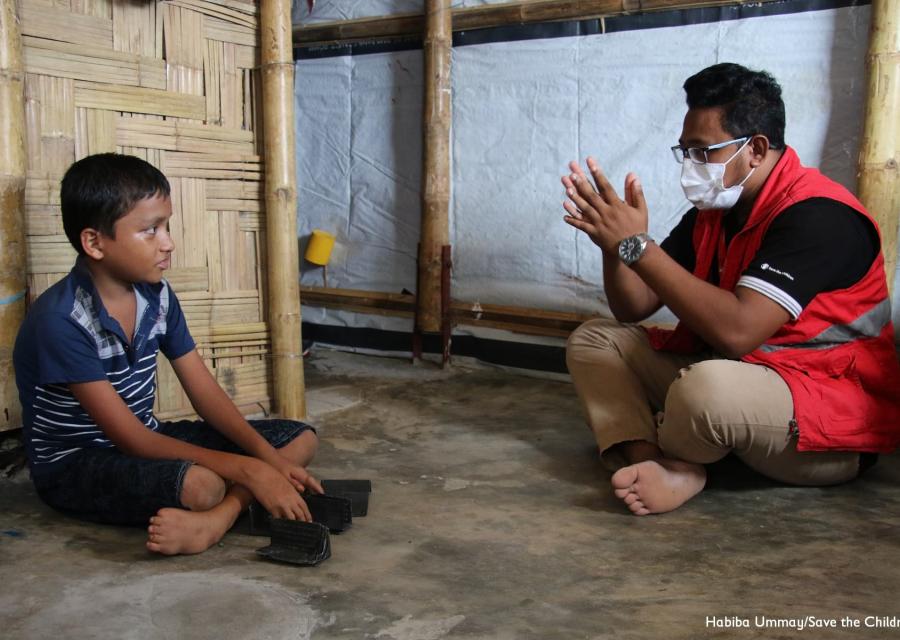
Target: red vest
(838, 357)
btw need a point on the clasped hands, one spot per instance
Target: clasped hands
(600, 213)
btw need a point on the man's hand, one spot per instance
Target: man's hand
(600, 213)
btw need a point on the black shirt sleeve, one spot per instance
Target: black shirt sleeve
(679, 244)
(814, 246)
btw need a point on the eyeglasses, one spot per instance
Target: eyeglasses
(698, 155)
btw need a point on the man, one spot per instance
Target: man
(784, 349)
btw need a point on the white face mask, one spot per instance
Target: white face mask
(704, 185)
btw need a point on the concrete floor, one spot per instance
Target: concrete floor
(490, 518)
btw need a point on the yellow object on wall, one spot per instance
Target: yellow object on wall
(318, 251)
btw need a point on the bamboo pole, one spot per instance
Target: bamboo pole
(12, 207)
(435, 231)
(282, 260)
(879, 171)
(486, 16)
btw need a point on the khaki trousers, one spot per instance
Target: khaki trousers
(710, 406)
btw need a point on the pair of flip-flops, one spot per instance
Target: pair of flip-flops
(308, 543)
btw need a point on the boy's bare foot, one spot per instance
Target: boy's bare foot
(657, 486)
(174, 531)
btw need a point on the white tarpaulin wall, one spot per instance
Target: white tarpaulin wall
(521, 111)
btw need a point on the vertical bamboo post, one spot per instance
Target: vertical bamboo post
(283, 260)
(879, 157)
(435, 231)
(12, 206)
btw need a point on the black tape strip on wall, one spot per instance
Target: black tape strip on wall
(510, 354)
(546, 30)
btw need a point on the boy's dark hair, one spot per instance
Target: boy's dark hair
(98, 190)
(751, 100)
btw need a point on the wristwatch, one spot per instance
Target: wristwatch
(632, 248)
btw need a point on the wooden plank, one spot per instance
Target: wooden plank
(176, 222)
(227, 332)
(49, 123)
(185, 279)
(218, 29)
(43, 220)
(59, 24)
(246, 57)
(223, 84)
(139, 100)
(487, 16)
(182, 136)
(237, 15)
(143, 132)
(95, 132)
(252, 221)
(522, 319)
(42, 188)
(183, 36)
(170, 397)
(96, 8)
(239, 296)
(404, 302)
(213, 250)
(57, 153)
(66, 60)
(240, 189)
(150, 155)
(50, 254)
(191, 209)
(231, 88)
(228, 311)
(184, 50)
(134, 27)
(213, 166)
(57, 107)
(40, 282)
(247, 259)
(212, 75)
(54, 4)
(229, 245)
(254, 206)
(32, 122)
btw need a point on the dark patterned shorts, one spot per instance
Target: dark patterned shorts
(105, 485)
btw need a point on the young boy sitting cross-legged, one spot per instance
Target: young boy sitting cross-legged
(85, 362)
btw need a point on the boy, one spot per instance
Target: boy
(85, 362)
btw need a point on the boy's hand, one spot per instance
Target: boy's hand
(276, 493)
(299, 477)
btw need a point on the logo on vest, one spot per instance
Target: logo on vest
(765, 266)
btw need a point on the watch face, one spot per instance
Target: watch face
(631, 248)
(628, 248)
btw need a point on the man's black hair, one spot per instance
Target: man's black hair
(751, 100)
(98, 190)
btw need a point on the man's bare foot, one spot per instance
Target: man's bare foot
(174, 531)
(657, 486)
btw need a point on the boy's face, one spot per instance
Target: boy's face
(142, 247)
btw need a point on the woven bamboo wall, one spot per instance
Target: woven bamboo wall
(176, 83)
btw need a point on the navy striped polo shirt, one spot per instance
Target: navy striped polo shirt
(68, 337)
